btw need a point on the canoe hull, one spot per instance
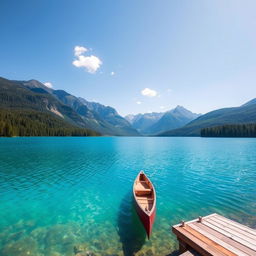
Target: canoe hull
(147, 220)
(145, 201)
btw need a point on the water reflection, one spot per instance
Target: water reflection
(130, 229)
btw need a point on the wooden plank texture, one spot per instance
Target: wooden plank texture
(217, 240)
(233, 236)
(236, 224)
(208, 241)
(226, 239)
(235, 229)
(216, 235)
(195, 243)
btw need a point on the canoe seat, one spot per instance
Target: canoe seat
(142, 188)
(145, 199)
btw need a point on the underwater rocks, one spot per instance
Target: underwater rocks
(23, 247)
(59, 234)
(79, 239)
(39, 234)
(60, 238)
(82, 250)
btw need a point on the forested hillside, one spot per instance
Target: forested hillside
(33, 123)
(36, 113)
(233, 130)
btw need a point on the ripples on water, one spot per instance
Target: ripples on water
(61, 196)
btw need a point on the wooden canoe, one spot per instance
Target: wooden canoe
(145, 201)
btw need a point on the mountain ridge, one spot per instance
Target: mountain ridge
(243, 114)
(156, 122)
(97, 117)
(27, 113)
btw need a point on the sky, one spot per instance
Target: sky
(137, 55)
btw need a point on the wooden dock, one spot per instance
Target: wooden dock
(215, 235)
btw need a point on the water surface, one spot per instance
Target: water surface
(62, 196)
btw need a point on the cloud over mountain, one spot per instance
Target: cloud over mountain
(48, 84)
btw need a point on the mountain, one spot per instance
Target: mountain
(173, 119)
(34, 86)
(98, 117)
(251, 102)
(78, 111)
(14, 95)
(142, 122)
(155, 123)
(236, 115)
(23, 109)
(130, 118)
(110, 116)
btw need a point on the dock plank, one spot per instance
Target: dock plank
(217, 240)
(226, 239)
(195, 243)
(216, 235)
(210, 242)
(231, 231)
(235, 228)
(234, 237)
(236, 224)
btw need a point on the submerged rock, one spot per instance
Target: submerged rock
(90, 254)
(149, 253)
(97, 245)
(39, 234)
(59, 235)
(80, 248)
(23, 247)
(16, 235)
(30, 223)
(55, 254)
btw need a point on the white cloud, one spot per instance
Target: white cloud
(138, 102)
(112, 73)
(90, 63)
(162, 107)
(48, 84)
(79, 50)
(169, 90)
(149, 92)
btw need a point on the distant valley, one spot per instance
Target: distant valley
(156, 123)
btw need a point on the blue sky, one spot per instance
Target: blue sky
(137, 56)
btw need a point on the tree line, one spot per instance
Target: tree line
(230, 130)
(34, 123)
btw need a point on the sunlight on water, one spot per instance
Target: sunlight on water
(67, 196)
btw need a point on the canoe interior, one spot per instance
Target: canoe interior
(144, 193)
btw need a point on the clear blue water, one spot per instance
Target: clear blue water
(61, 196)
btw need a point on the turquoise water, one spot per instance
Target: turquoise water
(62, 196)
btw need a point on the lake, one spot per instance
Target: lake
(61, 196)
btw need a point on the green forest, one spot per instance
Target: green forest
(232, 130)
(33, 123)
